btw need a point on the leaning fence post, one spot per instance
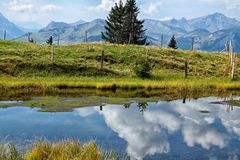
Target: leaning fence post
(102, 60)
(186, 70)
(52, 55)
(233, 58)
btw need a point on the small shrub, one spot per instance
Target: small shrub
(90, 49)
(143, 68)
(49, 41)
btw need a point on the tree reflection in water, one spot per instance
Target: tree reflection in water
(142, 107)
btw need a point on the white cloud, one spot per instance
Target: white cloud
(49, 8)
(166, 120)
(153, 7)
(143, 137)
(148, 134)
(165, 18)
(15, 5)
(233, 4)
(230, 4)
(105, 5)
(203, 135)
(87, 111)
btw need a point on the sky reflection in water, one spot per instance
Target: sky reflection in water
(162, 130)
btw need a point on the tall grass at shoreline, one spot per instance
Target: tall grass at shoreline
(63, 150)
(108, 83)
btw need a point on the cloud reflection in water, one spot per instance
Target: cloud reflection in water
(148, 133)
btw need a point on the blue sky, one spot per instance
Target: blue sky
(33, 13)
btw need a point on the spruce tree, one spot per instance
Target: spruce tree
(134, 31)
(114, 25)
(122, 25)
(173, 43)
(50, 41)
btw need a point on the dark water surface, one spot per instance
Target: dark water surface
(172, 130)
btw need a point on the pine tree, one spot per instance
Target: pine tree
(50, 41)
(114, 24)
(122, 25)
(173, 43)
(134, 31)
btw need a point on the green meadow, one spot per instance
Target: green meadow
(27, 66)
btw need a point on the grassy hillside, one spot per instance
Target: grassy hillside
(24, 65)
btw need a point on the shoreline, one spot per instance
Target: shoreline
(108, 83)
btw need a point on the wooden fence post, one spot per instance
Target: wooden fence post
(233, 58)
(226, 48)
(186, 70)
(233, 65)
(58, 40)
(193, 43)
(102, 60)
(29, 36)
(52, 55)
(86, 36)
(230, 51)
(4, 35)
(162, 41)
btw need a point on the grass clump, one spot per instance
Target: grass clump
(65, 150)
(9, 152)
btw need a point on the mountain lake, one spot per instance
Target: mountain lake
(202, 128)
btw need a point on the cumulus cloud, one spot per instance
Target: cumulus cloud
(143, 137)
(49, 8)
(147, 133)
(230, 4)
(233, 4)
(165, 18)
(153, 7)
(167, 119)
(105, 5)
(87, 111)
(195, 127)
(203, 135)
(29, 11)
(15, 5)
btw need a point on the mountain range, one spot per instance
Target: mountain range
(12, 30)
(210, 32)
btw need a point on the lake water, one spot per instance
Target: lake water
(196, 129)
